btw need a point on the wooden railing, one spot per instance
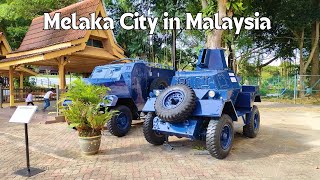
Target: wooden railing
(21, 94)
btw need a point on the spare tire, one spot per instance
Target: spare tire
(176, 103)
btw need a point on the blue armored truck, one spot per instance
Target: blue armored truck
(130, 84)
(202, 105)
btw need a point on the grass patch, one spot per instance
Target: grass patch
(313, 100)
(199, 148)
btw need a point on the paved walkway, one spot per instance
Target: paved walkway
(287, 147)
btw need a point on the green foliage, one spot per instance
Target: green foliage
(288, 17)
(135, 42)
(263, 91)
(156, 47)
(16, 16)
(84, 111)
(235, 6)
(247, 69)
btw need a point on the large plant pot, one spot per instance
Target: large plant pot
(90, 145)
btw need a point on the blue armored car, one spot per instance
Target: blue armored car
(130, 85)
(202, 105)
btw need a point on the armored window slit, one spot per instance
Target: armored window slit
(203, 59)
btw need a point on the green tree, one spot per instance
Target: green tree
(16, 16)
(292, 22)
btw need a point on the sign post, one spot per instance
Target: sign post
(24, 114)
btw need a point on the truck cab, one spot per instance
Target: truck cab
(130, 85)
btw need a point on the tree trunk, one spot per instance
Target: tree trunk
(214, 38)
(315, 58)
(174, 48)
(174, 43)
(204, 4)
(302, 72)
(231, 57)
(314, 46)
(259, 69)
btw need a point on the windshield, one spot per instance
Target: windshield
(106, 72)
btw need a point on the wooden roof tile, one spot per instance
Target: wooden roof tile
(37, 37)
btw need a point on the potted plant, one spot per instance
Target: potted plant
(84, 114)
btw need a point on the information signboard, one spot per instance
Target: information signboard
(23, 114)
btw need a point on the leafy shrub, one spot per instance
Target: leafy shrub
(84, 111)
(263, 91)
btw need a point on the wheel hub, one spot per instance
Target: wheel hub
(173, 99)
(225, 137)
(256, 122)
(122, 121)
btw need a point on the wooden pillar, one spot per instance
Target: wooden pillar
(21, 85)
(11, 85)
(62, 76)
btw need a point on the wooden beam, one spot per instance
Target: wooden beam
(62, 61)
(46, 56)
(11, 86)
(36, 51)
(21, 84)
(99, 34)
(5, 44)
(82, 40)
(26, 70)
(64, 52)
(95, 53)
(21, 80)
(22, 61)
(109, 33)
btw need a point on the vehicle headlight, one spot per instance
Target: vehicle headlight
(110, 98)
(157, 93)
(107, 100)
(211, 93)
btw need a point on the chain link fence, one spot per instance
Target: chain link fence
(290, 87)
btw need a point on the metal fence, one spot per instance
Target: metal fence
(48, 82)
(291, 87)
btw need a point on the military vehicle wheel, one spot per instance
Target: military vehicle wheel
(120, 124)
(158, 83)
(219, 138)
(175, 103)
(149, 134)
(251, 129)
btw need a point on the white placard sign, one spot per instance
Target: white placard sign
(233, 79)
(23, 114)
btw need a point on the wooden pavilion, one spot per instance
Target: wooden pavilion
(77, 51)
(21, 71)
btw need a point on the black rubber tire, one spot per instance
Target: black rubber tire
(112, 123)
(158, 83)
(248, 129)
(182, 111)
(213, 143)
(149, 134)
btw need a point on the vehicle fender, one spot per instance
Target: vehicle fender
(209, 108)
(66, 102)
(230, 110)
(214, 108)
(149, 106)
(257, 98)
(113, 99)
